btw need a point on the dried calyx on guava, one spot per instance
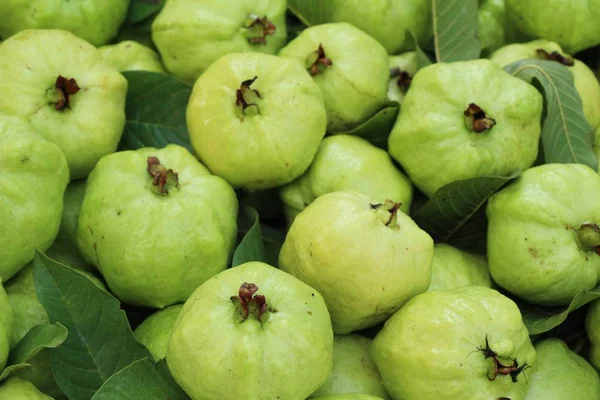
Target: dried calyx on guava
(402, 70)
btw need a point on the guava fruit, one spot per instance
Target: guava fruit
(543, 239)
(345, 162)
(351, 396)
(256, 120)
(190, 35)
(96, 21)
(34, 175)
(463, 343)
(365, 257)
(584, 79)
(353, 370)
(155, 331)
(170, 227)
(561, 374)
(251, 332)
(597, 144)
(6, 321)
(350, 67)
(592, 324)
(130, 55)
(402, 70)
(19, 389)
(454, 268)
(466, 120)
(491, 29)
(60, 84)
(572, 24)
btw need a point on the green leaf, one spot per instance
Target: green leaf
(139, 10)
(100, 341)
(141, 380)
(251, 247)
(155, 110)
(455, 30)
(423, 59)
(377, 128)
(455, 214)
(567, 137)
(42, 336)
(140, 32)
(310, 12)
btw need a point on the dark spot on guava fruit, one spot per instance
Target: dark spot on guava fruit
(310, 313)
(533, 252)
(24, 159)
(312, 294)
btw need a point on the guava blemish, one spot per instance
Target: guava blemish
(248, 303)
(588, 236)
(60, 94)
(317, 61)
(163, 180)
(258, 29)
(477, 120)
(499, 368)
(391, 209)
(555, 56)
(246, 98)
(403, 78)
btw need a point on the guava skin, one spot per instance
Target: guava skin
(445, 345)
(96, 21)
(256, 134)
(453, 268)
(190, 35)
(534, 248)
(592, 325)
(584, 79)
(16, 388)
(442, 148)
(154, 249)
(561, 374)
(155, 331)
(345, 162)
(402, 70)
(130, 55)
(285, 353)
(354, 84)
(351, 396)
(597, 144)
(332, 240)
(34, 177)
(354, 371)
(6, 321)
(86, 124)
(572, 24)
(491, 29)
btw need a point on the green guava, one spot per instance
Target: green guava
(402, 70)
(463, 343)
(572, 24)
(366, 258)
(351, 396)
(130, 55)
(155, 331)
(190, 35)
(252, 332)
(33, 178)
(597, 144)
(584, 78)
(60, 84)
(96, 21)
(345, 162)
(491, 29)
(19, 389)
(561, 374)
(6, 321)
(453, 268)
(350, 67)
(354, 371)
(543, 237)
(592, 324)
(170, 226)
(465, 120)
(256, 120)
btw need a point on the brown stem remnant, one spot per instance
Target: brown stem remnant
(246, 97)
(477, 120)
(63, 90)
(589, 237)
(513, 369)
(403, 78)
(555, 56)
(392, 209)
(317, 61)
(248, 303)
(258, 29)
(163, 179)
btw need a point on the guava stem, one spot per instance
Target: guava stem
(247, 98)
(259, 29)
(163, 180)
(477, 120)
(555, 56)
(589, 237)
(317, 61)
(389, 212)
(248, 303)
(60, 94)
(403, 78)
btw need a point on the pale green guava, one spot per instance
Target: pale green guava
(402, 70)
(60, 84)
(33, 178)
(597, 144)
(466, 120)
(6, 322)
(561, 374)
(464, 343)
(256, 120)
(96, 21)
(453, 268)
(543, 236)
(130, 55)
(190, 35)
(19, 389)
(350, 67)
(252, 332)
(366, 258)
(592, 324)
(491, 29)
(352, 396)
(155, 331)
(345, 162)
(169, 227)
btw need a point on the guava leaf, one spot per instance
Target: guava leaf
(141, 380)
(310, 12)
(377, 128)
(40, 337)
(271, 238)
(100, 341)
(294, 26)
(455, 214)
(251, 247)
(567, 137)
(155, 111)
(139, 10)
(140, 32)
(455, 30)
(423, 59)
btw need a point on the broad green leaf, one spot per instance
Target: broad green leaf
(377, 128)
(139, 10)
(155, 110)
(100, 341)
(567, 137)
(423, 59)
(272, 237)
(455, 30)
(251, 247)
(310, 12)
(141, 380)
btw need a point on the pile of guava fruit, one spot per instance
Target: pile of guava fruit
(299, 199)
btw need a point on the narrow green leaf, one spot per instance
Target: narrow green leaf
(155, 110)
(567, 137)
(455, 30)
(251, 247)
(310, 12)
(139, 10)
(100, 341)
(377, 128)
